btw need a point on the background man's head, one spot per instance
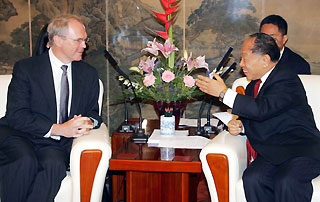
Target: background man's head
(67, 37)
(276, 27)
(259, 54)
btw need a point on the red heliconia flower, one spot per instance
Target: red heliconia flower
(164, 17)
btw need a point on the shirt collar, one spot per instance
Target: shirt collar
(266, 75)
(281, 52)
(55, 61)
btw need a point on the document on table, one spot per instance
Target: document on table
(194, 122)
(180, 140)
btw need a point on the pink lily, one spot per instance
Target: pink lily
(148, 65)
(188, 60)
(152, 47)
(167, 48)
(200, 62)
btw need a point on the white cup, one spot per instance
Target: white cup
(167, 153)
(167, 125)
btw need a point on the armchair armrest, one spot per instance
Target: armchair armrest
(89, 162)
(223, 162)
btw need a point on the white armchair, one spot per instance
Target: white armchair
(224, 158)
(89, 159)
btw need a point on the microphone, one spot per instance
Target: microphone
(224, 59)
(139, 136)
(208, 129)
(230, 69)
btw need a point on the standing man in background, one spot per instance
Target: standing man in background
(277, 28)
(52, 98)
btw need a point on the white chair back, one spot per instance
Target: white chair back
(4, 83)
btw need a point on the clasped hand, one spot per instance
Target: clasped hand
(75, 127)
(235, 127)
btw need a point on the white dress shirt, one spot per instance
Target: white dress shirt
(230, 95)
(57, 73)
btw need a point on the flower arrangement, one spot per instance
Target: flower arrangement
(163, 75)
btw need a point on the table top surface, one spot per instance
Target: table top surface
(139, 157)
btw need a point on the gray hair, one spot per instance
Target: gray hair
(59, 26)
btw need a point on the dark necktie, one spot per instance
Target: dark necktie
(64, 95)
(251, 153)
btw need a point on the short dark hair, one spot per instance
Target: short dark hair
(277, 21)
(265, 45)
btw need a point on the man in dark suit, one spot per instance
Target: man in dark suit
(52, 98)
(277, 28)
(277, 120)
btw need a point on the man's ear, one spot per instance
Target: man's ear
(57, 40)
(285, 39)
(266, 60)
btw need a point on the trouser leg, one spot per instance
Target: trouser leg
(52, 170)
(18, 166)
(53, 159)
(258, 181)
(290, 181)
(293, 180)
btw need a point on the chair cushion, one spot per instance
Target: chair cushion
(65, 192)
(316, 190)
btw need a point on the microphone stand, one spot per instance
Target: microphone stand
(200, 131)
(208, 129)
(126, 127)
(139, 136)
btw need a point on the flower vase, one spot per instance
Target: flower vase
(177, 106)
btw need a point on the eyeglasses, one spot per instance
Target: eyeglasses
(80, 40)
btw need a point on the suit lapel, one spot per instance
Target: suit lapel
(284, 57)
(76, 89)
(46, 82)
(270, 78)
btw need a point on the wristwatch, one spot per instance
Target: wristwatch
(221, 95)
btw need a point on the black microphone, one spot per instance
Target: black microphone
(230, 69)
(224, 59)
(208, 129)
(139, 136)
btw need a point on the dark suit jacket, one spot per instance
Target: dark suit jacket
(31, 104)
(294, 62)
(279, 123)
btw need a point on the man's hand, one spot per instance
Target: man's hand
(235, 127)
(75, 127)
(211, 86)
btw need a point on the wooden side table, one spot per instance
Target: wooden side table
(147, 177)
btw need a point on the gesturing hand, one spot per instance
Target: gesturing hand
(211, 86)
